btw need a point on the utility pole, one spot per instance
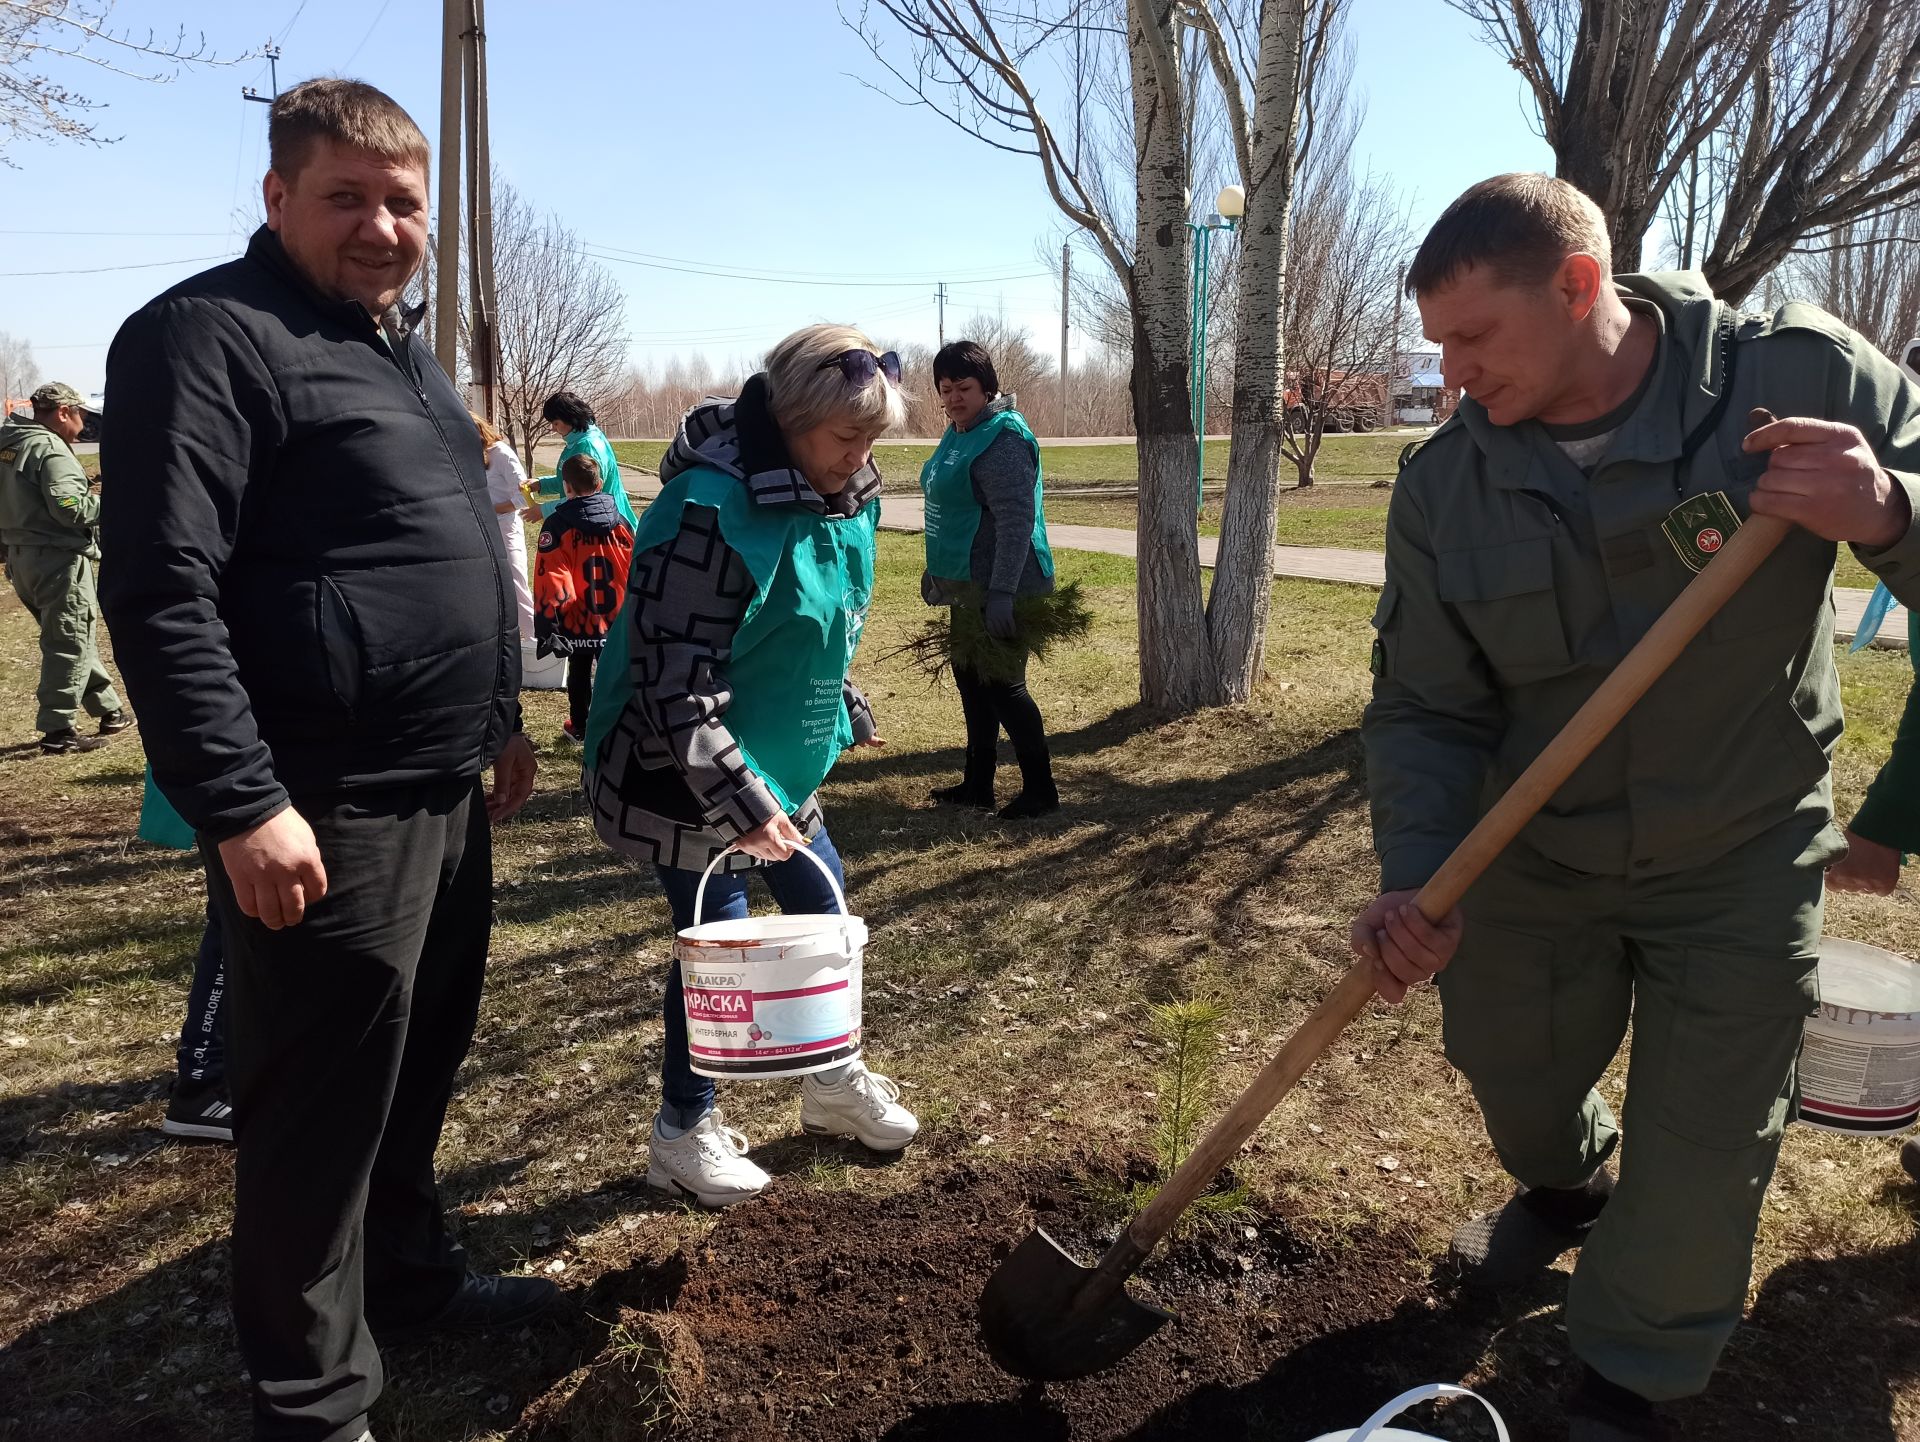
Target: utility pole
(1066, 272)
(1393, 361)
(272, 52)
(446, 297)
(484, 330)
(940, 294)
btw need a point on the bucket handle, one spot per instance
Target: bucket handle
(1425, 1394)
(839, 896)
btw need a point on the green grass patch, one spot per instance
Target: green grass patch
(1345, 516)
(1355, 457)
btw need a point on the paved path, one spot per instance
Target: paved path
(1352, 568)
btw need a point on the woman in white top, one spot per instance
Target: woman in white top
(504, 479)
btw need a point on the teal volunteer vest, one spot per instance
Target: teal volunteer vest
(953, 511)
(813, 580)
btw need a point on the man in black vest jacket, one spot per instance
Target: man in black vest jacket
(310, 601)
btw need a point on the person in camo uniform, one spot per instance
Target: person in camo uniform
(1614, 430)
(49, 534)
(721, 699)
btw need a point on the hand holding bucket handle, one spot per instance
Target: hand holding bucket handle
(1424, 1394)
(839, 896)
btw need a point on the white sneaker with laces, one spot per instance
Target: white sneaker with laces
(864, 1104)
(708, 1163)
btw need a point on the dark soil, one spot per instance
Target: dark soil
(847, 1316)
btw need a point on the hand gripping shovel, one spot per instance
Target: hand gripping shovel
(1046, 1317)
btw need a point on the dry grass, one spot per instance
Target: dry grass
(1009, 983)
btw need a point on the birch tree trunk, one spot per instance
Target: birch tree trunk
(1176, 662)
(1243, 572)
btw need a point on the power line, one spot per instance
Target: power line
(287, 29)
(692, 269)
(820, 277)
(378, 16)
(140, 233)
(101, 269)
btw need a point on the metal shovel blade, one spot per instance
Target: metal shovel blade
(1040, 1321)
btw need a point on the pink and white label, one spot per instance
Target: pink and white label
(722, 1006)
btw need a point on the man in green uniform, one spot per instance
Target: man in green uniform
(49, 530)
(1614, 431)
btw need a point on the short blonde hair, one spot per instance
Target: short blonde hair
(806, 391)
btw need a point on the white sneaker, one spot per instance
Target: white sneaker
(708, 1163)
(864, 1105)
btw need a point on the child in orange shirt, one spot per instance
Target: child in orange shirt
(579, 581)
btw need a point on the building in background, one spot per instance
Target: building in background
(1421, 396)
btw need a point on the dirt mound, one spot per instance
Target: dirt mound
(843, 1315)
(848, 1316)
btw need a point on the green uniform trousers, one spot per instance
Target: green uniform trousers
(1717, 968)
(57, 587)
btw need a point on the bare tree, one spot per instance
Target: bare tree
(36, 34)
(971, 64)
(1867, 273)
(18, 372)
(562, 317)
(1808, 109)
(1351, 234)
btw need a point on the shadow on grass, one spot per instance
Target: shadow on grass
(166, 952)
(24, 1119)
(156, 1361)
(1188, 819)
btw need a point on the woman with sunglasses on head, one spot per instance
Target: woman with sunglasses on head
(722, 700)
(987, 545)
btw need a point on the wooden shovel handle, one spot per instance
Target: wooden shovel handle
(1615, 696)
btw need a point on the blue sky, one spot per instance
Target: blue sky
(731, 133)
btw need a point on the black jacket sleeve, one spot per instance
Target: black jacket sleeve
(193, 419)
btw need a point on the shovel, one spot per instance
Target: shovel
(1047, 1318)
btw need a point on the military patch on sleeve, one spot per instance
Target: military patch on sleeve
(6, 456)
(1699, 526)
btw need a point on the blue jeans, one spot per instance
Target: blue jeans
(797, 886)
(202, 1058)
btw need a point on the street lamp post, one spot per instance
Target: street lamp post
(1230, 206)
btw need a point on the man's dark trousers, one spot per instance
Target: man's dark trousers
(345, 1035)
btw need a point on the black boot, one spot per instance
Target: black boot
(1508, 1247)
(1603, 1411)
(1038, 795)
(965, 794)
(976, 782)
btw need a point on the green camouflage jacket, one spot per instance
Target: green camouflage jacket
(1515, 583)
(44, 497)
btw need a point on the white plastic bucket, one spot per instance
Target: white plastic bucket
(1860, 1064)
(1375, 1428)
(771, 996)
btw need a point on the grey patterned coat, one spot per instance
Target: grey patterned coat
(669, 785)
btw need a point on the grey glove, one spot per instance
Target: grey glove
(1000, 615)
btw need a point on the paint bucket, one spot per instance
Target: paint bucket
(1860, 1064)
(1375, 1428)
(771, 996)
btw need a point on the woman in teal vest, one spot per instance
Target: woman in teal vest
(987, 545)
(569, 417)
(721, 699)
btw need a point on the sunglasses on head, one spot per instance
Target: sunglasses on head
(858, 366)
